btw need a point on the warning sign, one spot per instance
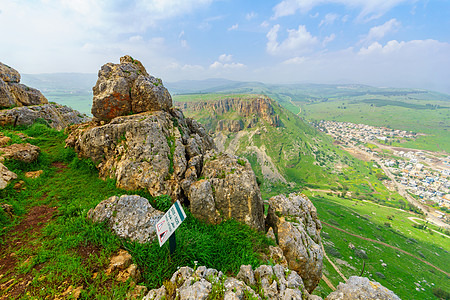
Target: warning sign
(167, 225)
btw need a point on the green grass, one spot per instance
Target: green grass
(54, 260)
(367, 219)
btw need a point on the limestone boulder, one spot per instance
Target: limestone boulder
(361, 288)
(128, 216)
(127, 88)
(5, 176)
(13, 93)
(55, 115)
(272, 282)
(142, 151)
(23, 152)
(295, 222)
(228, 191)
(8, 74)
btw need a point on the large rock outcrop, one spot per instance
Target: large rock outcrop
(13, 93)
(271, 282)
(361, 288)
(228, 190)
(54, 115)
(126, 88)
(149, 151)
(162, 151)
(295, 222)
(129, 216)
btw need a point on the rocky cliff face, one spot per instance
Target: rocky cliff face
(250, 109)
(13, 93)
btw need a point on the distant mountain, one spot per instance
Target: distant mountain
(61, 81)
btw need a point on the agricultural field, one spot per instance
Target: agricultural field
(407, 276)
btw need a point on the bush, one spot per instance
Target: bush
(332, 251)
(441, 294)
(361, 253)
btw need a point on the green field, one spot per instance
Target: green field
(391, 227)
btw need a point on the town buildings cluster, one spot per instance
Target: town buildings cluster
(422, 173)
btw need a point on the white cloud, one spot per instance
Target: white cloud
(298, 42)
(329, 19)
(250, 16)
(184, 44)
(233, 27)
(370, 9)
(294, 61)
(378, 32)
(225, 58)
(328, 39)
(264, 24)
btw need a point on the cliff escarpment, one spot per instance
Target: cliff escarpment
(235, 113)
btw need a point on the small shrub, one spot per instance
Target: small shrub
(361, 253)
(441, 294)
(241, 162)
(334, 222)
(332, 251)
(387, 224)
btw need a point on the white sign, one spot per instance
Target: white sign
(167, 225)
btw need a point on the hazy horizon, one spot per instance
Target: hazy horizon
(381, 43)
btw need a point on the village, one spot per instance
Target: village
(423, 174)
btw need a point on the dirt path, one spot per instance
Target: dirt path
(387, 245)
(23, 236)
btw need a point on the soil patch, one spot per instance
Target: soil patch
(60, 166)
(13, 284)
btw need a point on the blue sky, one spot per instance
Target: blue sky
(398, 43)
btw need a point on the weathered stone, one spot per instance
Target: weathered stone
(246, 275)
(55, 115)
(142, 151)
(23, 152)
(4, 140)
(5, 176)
(13, 93)
(276, 254)
(129, 216)
(202, 202)
(187, 284)
(137, 293)
(361, 288)
(294, 220)
(236, 193)
(131, 272)
(8, 74)
(121, 261)
(34, 174)
(127, 88)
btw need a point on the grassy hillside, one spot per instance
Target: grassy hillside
(403, 274)
(47, 244)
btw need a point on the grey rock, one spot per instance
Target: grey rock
(13, 93)
(8, 74)
(246, 275)
(129, 216)
(5, 176)
(361, 288)
(197, 291)
(233, 188)
(127, 88)
(55, 115)
(23, 152)
(294, 219)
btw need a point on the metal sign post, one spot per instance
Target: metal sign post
(166, 226)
